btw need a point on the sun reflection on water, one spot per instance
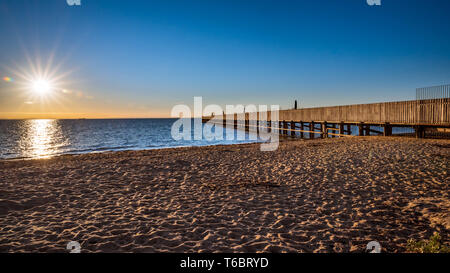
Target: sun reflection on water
(42, 138)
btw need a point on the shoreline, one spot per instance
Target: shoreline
(329, 195)
(281, 139)
(118, 151)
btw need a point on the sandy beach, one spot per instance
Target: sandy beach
(330, 195)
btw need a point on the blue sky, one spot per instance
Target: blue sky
(140, 58)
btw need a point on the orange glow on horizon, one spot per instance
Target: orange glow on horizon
(29, 115)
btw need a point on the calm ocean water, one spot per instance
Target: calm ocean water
(45, 138)
(27, 139)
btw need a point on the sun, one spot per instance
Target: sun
(41, 87)
(41, 82)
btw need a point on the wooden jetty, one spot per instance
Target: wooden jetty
(337, 121)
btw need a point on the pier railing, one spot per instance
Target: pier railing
(417, 112)
(432, 112)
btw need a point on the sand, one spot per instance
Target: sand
(331, 195)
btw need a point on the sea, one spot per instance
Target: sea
(44, 138)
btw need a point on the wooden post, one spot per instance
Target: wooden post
(280, 128)
(311, 129)
(324, 129)
(361, 128)
(292, 128)
(285, 126)
(341, 128)
(301, 129)
(420, 131)
(349, 129)
(387, 130)
(367, 130)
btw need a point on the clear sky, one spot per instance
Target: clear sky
(111, 58)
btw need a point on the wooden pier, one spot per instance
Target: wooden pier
(337, 121)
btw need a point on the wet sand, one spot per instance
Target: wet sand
(332, 195)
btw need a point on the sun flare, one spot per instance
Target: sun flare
(40, 83)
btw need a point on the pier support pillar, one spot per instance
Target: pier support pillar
(341, 128)
(301, 129)
(324, 130)
(285, 127)
(311, 129)
(292, 128)
(349, 129)
(361, 129)
(387, 130)
(367, 130)
(420, 131)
